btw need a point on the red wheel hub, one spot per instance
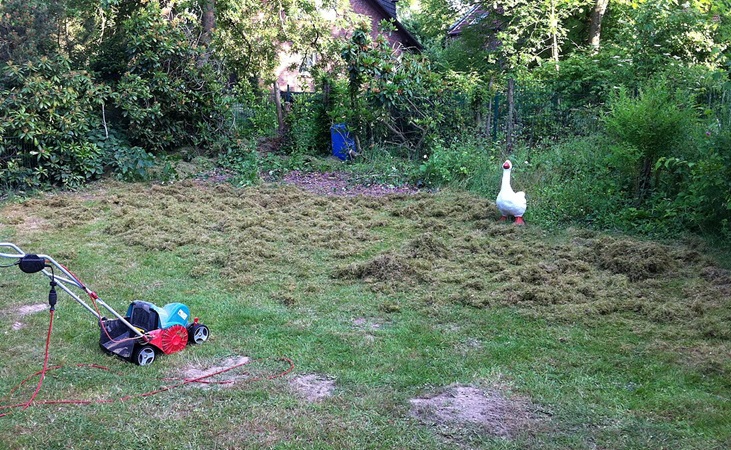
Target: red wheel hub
(173, 339)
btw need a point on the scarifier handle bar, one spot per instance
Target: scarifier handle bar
(32, 262)
(18, 252)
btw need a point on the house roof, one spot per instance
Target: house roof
(389, 8)
(474, 15)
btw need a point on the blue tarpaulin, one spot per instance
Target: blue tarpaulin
(342, 141)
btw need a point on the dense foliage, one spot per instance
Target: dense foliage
(167, 99)
(49, 112)
(616, 112)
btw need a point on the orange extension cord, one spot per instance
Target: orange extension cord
(42, 375)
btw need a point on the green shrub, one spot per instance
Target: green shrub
(462, 160)
(48, 113)
(585, 180)
(243, 162)
(132, 163)
(655, 123)
(255, 115)
(703, 202)
(404, 99)
(588, 77)
(30, 29)
(167, 97)
(592, 181)
(308, 126)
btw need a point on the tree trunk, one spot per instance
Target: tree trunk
(554, 35)
(644, 184)
(209, 19)
(208, 23)
(595, 25)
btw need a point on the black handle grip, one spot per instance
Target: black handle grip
(32, 263)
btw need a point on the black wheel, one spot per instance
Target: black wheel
(144, 355)
(198, 333)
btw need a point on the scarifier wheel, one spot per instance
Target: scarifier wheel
(144, 355)
(198, 333)
(174, 339)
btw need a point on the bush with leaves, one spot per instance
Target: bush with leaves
(48, 112)
(29, 29)
(243, 163)
(308, 125)
(402, 99)
(655, 122)
(454, 162)
(255, 114)
(587, 180)
(702, 187)
(168, 97)
(664, 32)
(126, 162)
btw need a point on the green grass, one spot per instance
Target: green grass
(617, 343)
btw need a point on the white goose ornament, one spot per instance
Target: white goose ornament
(510, 203)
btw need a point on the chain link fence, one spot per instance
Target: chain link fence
(16, 161)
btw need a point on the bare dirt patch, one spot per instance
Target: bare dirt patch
(342, 184)
(31, 309)
(23, 311)
(365, 324)
(17, 217)
(488, 411)
(313, 387)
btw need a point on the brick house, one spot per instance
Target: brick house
(376, 10)
(379, 10)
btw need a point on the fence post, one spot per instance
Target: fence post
(495, 114)
(511, 113)
(278, 104)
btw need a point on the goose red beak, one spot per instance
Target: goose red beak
(507, 165)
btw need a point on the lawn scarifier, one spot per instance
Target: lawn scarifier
(139, 336)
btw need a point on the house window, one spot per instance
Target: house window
(308, 62)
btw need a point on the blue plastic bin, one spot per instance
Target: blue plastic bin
(342, 141)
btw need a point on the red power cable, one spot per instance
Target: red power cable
(45, 362)
(202, 379)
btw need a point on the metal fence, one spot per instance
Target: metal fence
(538, 114)
(16, 161)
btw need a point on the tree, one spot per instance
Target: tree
(167, 98)
(29, 29)
(653, 124)
(656, 34)
(534, 31)
(595, 22)
(208, 24)
(251, 37)
(431, 19)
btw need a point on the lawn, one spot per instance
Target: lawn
(393, 321)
